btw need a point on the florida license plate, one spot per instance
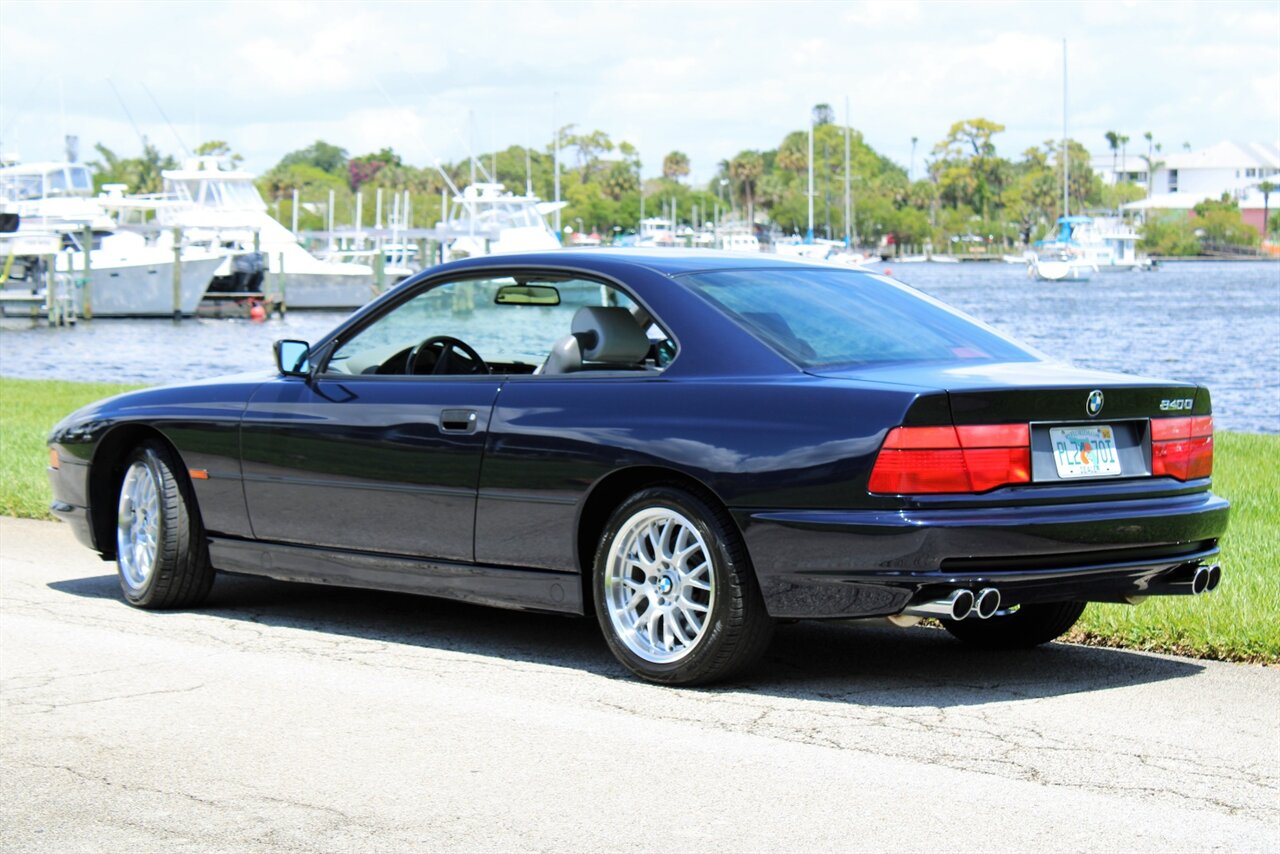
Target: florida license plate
(1085, 451)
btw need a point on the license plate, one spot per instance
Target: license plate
(1085, 451)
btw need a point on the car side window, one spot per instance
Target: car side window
(507, 325)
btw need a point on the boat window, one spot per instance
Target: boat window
(80, 179)
(511, 338)
(17, 187)
(55, 182)
(825, 318)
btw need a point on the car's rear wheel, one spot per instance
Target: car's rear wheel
(675, 594)
(161, 554)
(1024, 627)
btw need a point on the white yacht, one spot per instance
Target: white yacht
(222, 208)
(486, 219)
(128, 277)
(1083, 246)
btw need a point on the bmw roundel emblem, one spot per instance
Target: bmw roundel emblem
(1093, 404)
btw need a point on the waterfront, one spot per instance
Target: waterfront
(1208, 322)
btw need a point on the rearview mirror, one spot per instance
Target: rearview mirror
(527, 295)
(292, 357)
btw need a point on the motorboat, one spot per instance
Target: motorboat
(221, 208)
(486, 219)
(1060, 266)
(125, 275)
(1083, 246)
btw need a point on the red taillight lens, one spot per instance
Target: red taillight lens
(1182, 447)
(971, 458)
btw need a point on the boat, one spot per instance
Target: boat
(1087, 245)
(1062, 266)
(486, 219)
(221, 208)
(126, 274)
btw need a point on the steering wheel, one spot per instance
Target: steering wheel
(435, 356)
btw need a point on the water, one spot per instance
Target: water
(1216, 323)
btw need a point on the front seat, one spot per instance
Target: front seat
(600, 338)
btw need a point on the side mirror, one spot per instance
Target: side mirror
(292, 357)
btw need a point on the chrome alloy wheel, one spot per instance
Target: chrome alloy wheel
(138, 525)
(659, 585)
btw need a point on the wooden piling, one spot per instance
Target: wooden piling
(86, 240)
(177, 272)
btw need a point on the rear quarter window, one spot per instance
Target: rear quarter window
(823, 318)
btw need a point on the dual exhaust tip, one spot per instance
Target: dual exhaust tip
(959, 605)
(1206, 579)
(962, 604)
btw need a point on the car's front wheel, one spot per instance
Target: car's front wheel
(161, 554)
(1022, 628)
(675, 593)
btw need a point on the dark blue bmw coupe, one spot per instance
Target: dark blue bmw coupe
(690, 445)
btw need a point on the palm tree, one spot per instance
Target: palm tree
(1113, 140)
(1152, 166)
(675, 165)
(1124, 159)
(1266, 188)
(746, 169)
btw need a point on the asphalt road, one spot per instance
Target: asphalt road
(288, 717)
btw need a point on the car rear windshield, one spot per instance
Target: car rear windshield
(823, 318)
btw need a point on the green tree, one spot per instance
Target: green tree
(1266, 188)
(1220, 222)
(321, 155)
(138, 174)
(1113, 140)
(745, 169)
(967, 167)
(218, 148)
(675, 165)
(1169, 235)
(823, 115)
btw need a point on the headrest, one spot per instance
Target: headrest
(609, 334)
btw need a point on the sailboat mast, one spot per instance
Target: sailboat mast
(1066, 158)
(809, 236)
(847, 219)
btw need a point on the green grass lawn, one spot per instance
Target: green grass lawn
(1238, 622)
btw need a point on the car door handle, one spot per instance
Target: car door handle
(458, 420)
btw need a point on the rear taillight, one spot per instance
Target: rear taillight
(1182, 447)
(971, 458)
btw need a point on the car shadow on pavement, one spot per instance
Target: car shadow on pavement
(870, 664)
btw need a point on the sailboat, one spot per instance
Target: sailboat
(1061, 259)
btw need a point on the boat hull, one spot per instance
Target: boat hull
(335, 291)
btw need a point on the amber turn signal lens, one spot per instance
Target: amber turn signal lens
(53, 458)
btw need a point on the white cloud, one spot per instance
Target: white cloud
(708, 78)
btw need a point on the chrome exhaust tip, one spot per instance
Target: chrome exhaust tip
(1200, 581)
(1215, 578)
(955, 606)
(987, 603)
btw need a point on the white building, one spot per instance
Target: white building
(1183, 179)
(1225, 167)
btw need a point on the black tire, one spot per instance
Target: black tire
(180, 575)
(1028, 626)
(736, 630)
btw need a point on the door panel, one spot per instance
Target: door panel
(380, 464)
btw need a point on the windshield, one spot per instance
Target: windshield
(822, 318)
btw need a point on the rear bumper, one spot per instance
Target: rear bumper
(844, 564)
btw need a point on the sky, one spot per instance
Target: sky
(709, 79)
